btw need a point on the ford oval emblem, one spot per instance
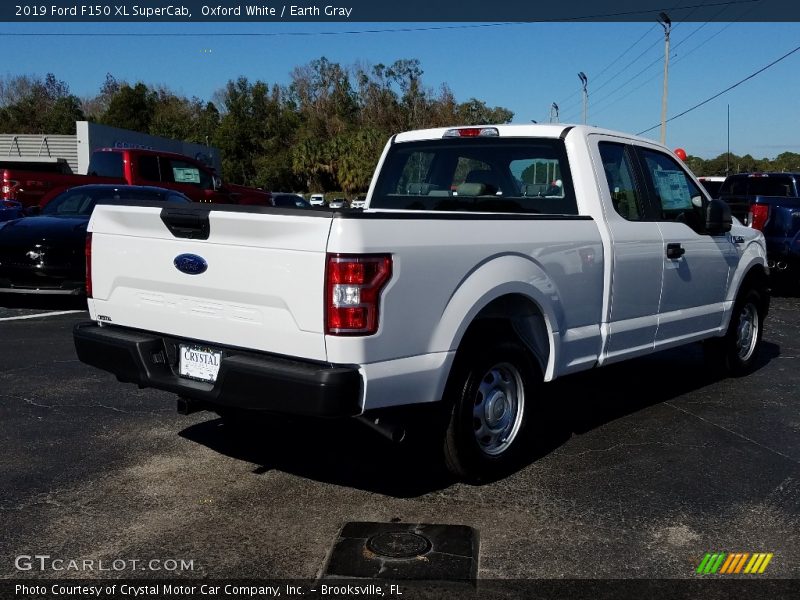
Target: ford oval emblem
(191, 264)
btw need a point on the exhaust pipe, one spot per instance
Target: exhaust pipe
(771, 264)
(394, 432)
(187, 406)
(781, 265)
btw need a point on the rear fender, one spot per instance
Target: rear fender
(498, 277)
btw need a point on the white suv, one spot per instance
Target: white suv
(317, 200)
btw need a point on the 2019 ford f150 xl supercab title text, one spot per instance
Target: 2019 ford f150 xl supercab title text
(468, 281)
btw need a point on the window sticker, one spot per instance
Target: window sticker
(673, 189)
(186, 175)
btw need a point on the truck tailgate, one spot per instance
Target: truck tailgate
(262, 288)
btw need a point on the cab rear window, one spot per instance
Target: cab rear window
(479, 175)
(759, 185)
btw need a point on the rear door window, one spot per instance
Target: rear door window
(147, 167)
(107, 164)
(622, 186)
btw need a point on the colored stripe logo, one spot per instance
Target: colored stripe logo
(734, 563)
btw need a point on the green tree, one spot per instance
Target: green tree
(42, 106)
(131, 108)
(256, 131)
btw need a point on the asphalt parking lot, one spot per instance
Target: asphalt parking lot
(654, 463)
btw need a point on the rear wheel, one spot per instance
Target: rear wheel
(493, 394)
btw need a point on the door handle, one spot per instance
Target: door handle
(675, 250)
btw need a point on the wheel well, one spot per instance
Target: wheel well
(757, 279)
(513, 315)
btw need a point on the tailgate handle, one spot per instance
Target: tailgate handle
(190, 223)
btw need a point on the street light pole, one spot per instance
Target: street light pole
(554, 113)
(666, 23)
(585, 82)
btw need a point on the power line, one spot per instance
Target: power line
(677, 58)
(728, 89)
(609, 65)
(724, 8)
(626, 67)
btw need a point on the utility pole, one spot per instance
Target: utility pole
(554, 113)
(728, 155)
(666, 23)
(585, 83)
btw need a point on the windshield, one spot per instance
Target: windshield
(81, 202)
(482, 175)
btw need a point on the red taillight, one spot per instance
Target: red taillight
(9, 189)
(88, 265)
(353, 286)
(757, 217)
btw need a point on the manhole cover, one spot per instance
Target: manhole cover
(392, 551)
(398, 544)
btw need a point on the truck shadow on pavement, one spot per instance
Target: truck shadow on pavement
(54, 302)
(342, 451)
(345, 452)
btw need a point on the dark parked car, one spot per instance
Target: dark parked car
(279, 199)
(10, 209)
(45, 254)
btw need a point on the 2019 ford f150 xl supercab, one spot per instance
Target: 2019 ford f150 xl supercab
(488, 261)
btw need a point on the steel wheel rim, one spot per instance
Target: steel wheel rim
(747, 331)
(498, 408)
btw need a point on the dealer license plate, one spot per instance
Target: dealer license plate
(199, 363)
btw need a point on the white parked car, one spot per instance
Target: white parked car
(337, 203)
(455, 296)
(317, 200)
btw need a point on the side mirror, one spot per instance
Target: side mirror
(217, 182)
(718, 217)
(33, 211)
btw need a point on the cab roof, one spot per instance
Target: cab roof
(545, 130)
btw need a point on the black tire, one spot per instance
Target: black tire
(737, 352)
(492, 394)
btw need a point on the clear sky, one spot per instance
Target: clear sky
(523, 67)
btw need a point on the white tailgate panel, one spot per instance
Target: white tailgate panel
(263, 288)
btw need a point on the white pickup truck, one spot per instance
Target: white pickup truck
(488, 261)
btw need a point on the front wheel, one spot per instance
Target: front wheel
(737, 352)
(493, 394)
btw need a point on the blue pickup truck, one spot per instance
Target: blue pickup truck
(769, 202)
